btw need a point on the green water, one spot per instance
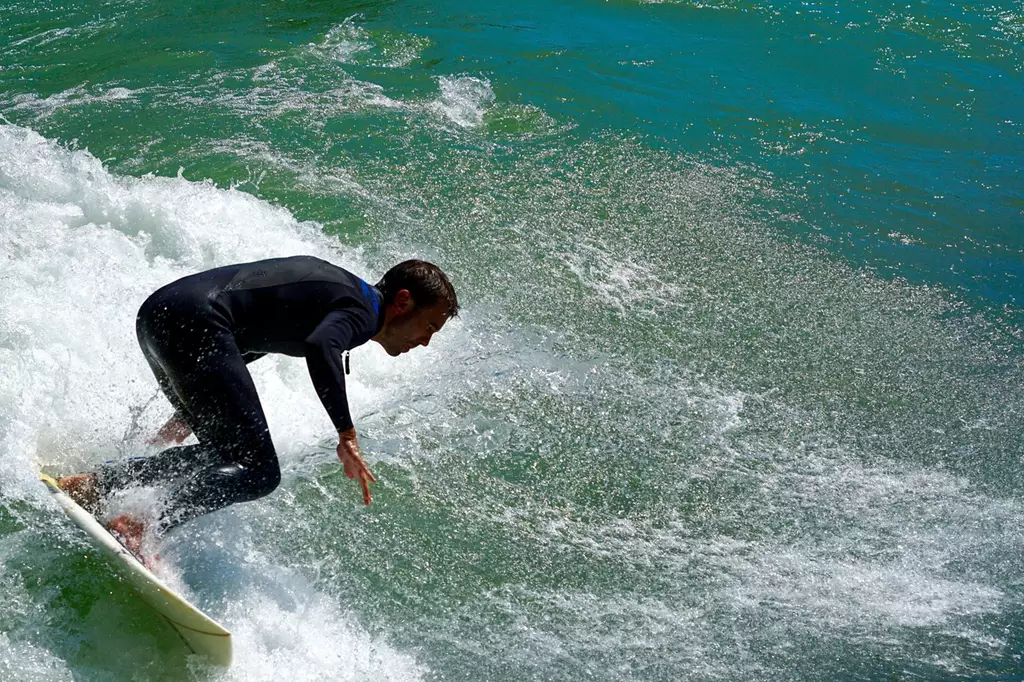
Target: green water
(736, 388)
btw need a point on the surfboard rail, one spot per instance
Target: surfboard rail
(202, 634)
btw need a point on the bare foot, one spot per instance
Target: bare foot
(129, 533)
(83, 490)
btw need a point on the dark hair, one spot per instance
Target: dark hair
(425, 281)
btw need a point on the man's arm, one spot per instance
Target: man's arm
(334, 335)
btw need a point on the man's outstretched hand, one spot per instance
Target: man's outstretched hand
(355, 467)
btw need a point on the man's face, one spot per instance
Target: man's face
(413, 328)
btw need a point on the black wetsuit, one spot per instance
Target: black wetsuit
(198, 334)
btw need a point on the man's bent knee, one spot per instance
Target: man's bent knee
(266, 478)
(247, 482)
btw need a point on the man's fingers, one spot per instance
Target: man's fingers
(366, 489)
(365, 470)
(365, 478)
(355, 467)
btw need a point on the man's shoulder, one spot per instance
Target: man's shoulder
(272, 272)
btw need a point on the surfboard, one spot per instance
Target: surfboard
(201, 634)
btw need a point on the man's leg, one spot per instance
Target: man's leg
(235, 459)
(168, 463)
(239, 460)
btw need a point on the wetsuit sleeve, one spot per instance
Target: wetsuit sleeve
(338, 332)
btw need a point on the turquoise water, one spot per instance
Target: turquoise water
(736, 389)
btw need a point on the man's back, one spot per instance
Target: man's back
(272, 306)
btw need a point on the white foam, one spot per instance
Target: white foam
(282, 626)
(619, 280)
(81, 248)
(345, 41)
(308, 639)
(608, 634)
(22, 661)
(464, 100)
(351, 43)
(80, 95)
(284, 85)
(846, 545)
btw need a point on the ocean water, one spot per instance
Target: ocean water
(736, 392)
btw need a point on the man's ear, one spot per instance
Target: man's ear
(403, 302)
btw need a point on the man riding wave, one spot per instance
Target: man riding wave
(199, 333)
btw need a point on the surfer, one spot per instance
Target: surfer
(199, 333)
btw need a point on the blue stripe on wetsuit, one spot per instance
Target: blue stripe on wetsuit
(372, 296)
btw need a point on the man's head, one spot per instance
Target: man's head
(418, 300)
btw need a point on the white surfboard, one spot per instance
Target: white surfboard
(201, 633)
